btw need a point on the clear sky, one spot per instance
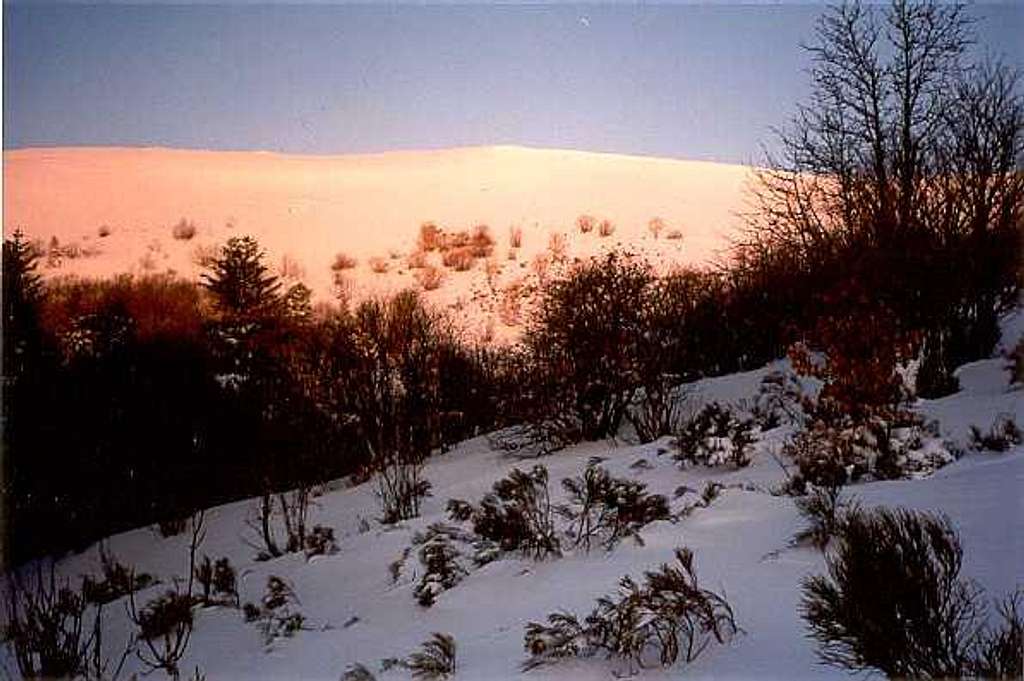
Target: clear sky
(701, 82)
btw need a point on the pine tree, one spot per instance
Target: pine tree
(239, 280)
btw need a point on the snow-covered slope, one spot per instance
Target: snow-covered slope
(355, 613)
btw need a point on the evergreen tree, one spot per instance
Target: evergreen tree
(239, 280)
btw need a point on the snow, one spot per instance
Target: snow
(742, 543)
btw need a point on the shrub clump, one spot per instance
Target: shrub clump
(343, 261)
(118, 581)
(434, 660)
(218, 582)
(1003, 434)
(516, 515)
(277, 615)
(894, 601)
(654, 622)
(447, 554)
(184, 230)
(825, 509)
(606, 509)
(716, 437)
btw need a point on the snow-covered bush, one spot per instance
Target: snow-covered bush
(830, 453)
(894, 601)
(607, 509)
(358, 672)
(434, 660)
(1003, 434)
(780, 400)
(716, 436)
(277, 615)
(320, 541)
(517, 514)
(447, 554)
(667, 616)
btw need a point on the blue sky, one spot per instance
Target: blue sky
(702, 82)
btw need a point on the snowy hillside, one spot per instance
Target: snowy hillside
(355, 613)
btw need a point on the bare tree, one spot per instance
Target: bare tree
(904, 162)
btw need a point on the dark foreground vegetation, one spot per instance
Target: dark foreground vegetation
(889, 228)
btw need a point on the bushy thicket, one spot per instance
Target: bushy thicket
(655, 622)
(131, 401)
(894, 601)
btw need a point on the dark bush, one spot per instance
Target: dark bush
(517, 515)
(825, 509)
(715, 437)
(1003, 434)
(277, 615)
(118, 580)
(894, 601)
(668, 615)
(607, 509)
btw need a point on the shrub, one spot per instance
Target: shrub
(586, 223)
(606, 228)
(165, 626)
(1003, 434)
(184, 230)
(47, 630)
(824, 509)
(557, 246)
(434, 660)
(674, 234)
(217, 581)
(780, 400)
(657, 409)
(893, 600)
(277, 615)
(667, 615)
(829, 454)
(430, 237)
(379, 265)
(430, 278)
(459, 259)
(103, 231)
(416, 260)
(320, 541)
(517, 514)
(588, 338)
(656, 226)
(609, 509)
(358, 672)
(715, 437)
(288, 513)
(1016, 363)
(481, 242)
(515, 237)
(343, 261)
(118, 580)
(172, 527)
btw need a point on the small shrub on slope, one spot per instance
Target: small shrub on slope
(447, 554)
(825, 509)
(434, 660)
(716, 437)
(517, 514)
(607, 509)
(667, 616)
(277, 615)
(1003, 434)
(118, 580)
(894, 601)
(218, 582)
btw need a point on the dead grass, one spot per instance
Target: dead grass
(586, 223)
(430, 278)
(459, 259)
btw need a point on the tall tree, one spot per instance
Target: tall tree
(240, 282)
(901, 171)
